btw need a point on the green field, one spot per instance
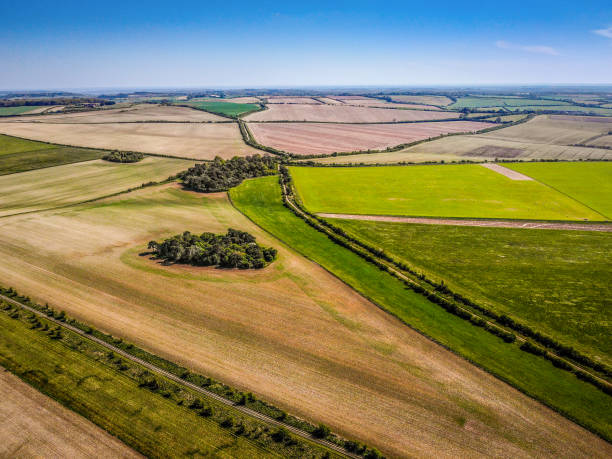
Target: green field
(574, 109)
(497, 102)
(230, 109)
(557, 282)
(588, 183)
(105, 389)
(20, 155)
(468, 191)
(260, 200)
(6, 111)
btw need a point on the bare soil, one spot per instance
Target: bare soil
(34, 425)
(512, 175)
(313, 138)
(344, 114)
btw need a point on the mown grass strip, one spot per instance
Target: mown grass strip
(260, 200)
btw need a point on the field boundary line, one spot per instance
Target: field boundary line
(519, 224)
(176, 379)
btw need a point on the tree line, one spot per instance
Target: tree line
(54, 101)
(236, 249)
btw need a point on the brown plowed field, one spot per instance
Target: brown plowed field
(293, 100)
(344, 114)
(371, 102)
(34, 425)
(187, 140)
(141, 112)
(291, 333)
(314, 138)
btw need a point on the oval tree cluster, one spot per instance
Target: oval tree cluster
(236, 249)
(123, 157)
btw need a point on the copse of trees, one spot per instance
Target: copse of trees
(236, 249)
(221, 175)
(123, 157)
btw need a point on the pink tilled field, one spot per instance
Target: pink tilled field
(344, 114)
(315, 138)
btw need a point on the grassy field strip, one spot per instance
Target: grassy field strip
(604, 227)
(414, 281)
(180, 381)
(534, 376)
(460, 191)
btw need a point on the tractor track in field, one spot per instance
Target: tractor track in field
(154, 368)
(604, 227)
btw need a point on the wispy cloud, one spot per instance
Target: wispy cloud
(604, 32)
(539, 49)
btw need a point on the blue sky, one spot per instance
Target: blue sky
(88, 44)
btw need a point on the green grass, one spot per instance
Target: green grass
(6, 111)
(20, 155)
(260, 200)
(468, 191)
(104, 388)
(588, 183)
(575, 109)
(482, 102)
(557, 282)
(223, 108)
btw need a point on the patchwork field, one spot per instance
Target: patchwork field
(543, 137)
(19, 155)
(313, 138)
(468, 191)
(343, 114)
(554, 281)
(587, 183)
(72, 183)
(260, 200)
(190, 140)
(291, 333)
(427, 100)
(140, 112)
(228, 109)
(480, 102)
(34, 425)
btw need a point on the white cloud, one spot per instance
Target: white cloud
(539, 49)
(604, 32)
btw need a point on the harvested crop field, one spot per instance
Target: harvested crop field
(243, 100)
(72, 183)
(140, 112)
(188, 140)
(33, 425)
(555, 130)
(292, 100)
(291, 333)
(313, 138)
(427, 100)
(344, 114)
(603, 141)
(373, 102)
